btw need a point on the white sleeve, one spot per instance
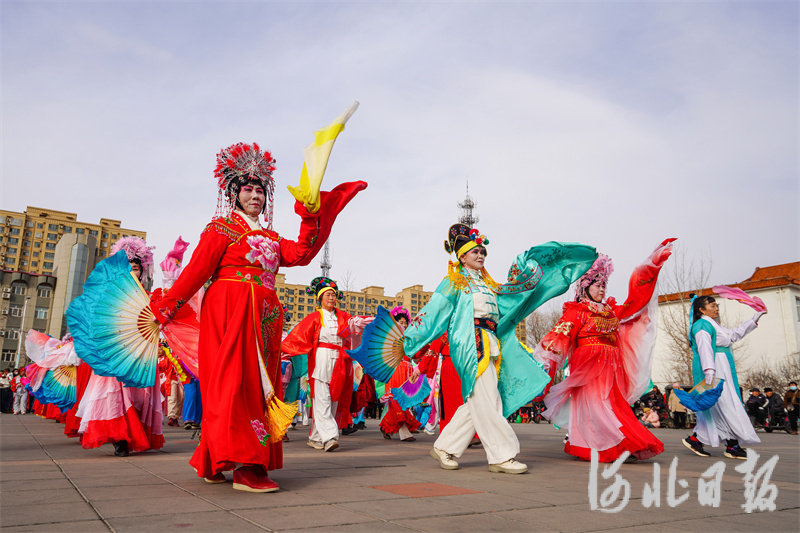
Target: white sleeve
(706, 351)
(744, 328)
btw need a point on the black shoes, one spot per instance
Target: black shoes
(121, 448)
(735, 452)
(696, 446)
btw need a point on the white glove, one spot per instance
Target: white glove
(709, 375)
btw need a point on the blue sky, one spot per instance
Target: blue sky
(611, 123)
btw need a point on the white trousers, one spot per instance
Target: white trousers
(20, 400)
(175, 400)
(482, 413)
(404, 432)
(323, 426)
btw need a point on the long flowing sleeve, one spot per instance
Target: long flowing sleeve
(315, 228)
(642, 283)
(202, 265)
(303, 337)
(744, 328)
(537, 275)
(705, 350)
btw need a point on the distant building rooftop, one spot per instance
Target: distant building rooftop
(762, 278)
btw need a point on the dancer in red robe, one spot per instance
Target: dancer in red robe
(241, 319)
(324, 335)
(609, 347)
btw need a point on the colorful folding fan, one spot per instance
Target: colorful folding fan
(702, 396)
(59, 387)
(410, 393)
(381, 348)
(112, 325)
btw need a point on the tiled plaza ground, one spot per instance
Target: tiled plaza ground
(49, 483)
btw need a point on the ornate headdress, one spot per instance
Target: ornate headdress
(321, 284)
(238, 163)
(399, 311)
(601, 270)
(136, 248)
(461, 239)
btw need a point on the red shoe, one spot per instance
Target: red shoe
(253, 479)
(172, 422)
(216, 478)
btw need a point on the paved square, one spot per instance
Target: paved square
(49, 483)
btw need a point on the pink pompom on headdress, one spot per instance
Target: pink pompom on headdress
(400, 311)
(243, 161)
(601, 270)
(136, 248)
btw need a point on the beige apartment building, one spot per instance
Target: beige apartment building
(45, 258)
(363, 302)
(28, 239)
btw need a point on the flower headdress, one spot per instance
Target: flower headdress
(136, 248)
(321, 284)
(601, 270)
(399, 311)
(240, 162)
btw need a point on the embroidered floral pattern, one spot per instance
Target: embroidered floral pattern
(261, 432)
(264, 251)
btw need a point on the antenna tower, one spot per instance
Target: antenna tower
(467, 215)
(325, 264)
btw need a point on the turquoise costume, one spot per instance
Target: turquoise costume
(537, 275)
(697, 368)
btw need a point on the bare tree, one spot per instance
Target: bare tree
(537, 324)
(680, 277)
(768, 374)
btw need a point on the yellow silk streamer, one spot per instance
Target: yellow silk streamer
(315, 158)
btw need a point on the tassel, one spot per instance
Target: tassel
(279, 417)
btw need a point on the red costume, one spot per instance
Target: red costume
(304, 339)
(240, 331)
(608, 346)
(72, 423)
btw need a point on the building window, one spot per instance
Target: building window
(49, 255)
(80, 231)
(113, 235)
(11, 251)
(93, 232)
(28, 233)
(67, 229)
(18, 288)
(13, 334)
(50, 245)
(40, 226)
(35, 254)
(37, 245)
(9, 356)
(41, 313)
(52, 236)
(23, 263)
(44, 291)
(34, 263)
(53, 227)
(797, 305)
(29, 224)
(47, 264)
(15, 310)
(105, 235)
